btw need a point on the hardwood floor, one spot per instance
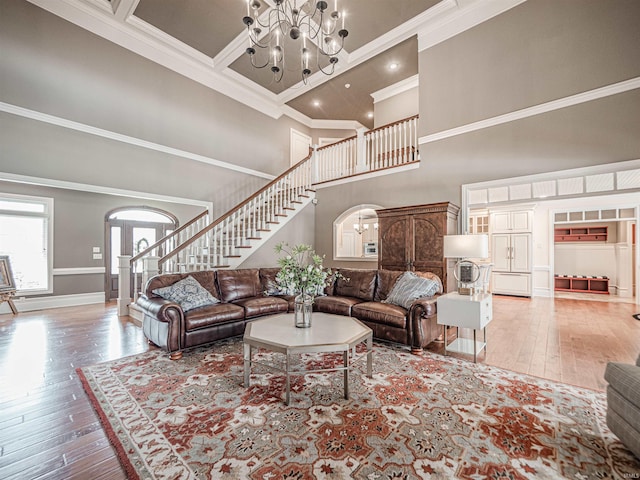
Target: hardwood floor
(48, 429)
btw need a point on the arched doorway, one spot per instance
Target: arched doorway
(355, 234)
(128, 231)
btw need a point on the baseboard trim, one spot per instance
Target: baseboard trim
(25, 304)
(542, 292)
(79, 271)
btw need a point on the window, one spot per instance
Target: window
(26, 236)
(355, 234)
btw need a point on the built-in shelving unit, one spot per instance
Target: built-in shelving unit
(582, 284)
(581, 234)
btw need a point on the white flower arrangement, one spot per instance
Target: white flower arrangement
(301, 270)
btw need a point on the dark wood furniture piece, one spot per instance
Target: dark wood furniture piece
(581, 284)
(581, 234)
(411, 238)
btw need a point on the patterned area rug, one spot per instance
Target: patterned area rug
(419, 417)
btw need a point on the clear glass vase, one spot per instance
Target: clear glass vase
(302, 310)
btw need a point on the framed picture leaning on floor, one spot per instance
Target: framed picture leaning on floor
(7, 283)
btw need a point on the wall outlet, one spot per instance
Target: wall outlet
(97, 256)
(96, 249)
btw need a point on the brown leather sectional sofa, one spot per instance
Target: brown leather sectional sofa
(242, 298)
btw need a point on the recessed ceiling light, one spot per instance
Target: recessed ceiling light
(394, 66)
(347, 85)
(370, 115)
(316, 103)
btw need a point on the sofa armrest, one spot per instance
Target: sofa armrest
(163, 322)
(425, 307)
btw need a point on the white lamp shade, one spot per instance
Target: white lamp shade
(466, 246)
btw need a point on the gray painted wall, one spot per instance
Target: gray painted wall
(54, 67)
(78, 225)
(539, 51)
(398, 107)
(531, 54)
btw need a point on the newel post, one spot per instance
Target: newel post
(124, 284)
(361, 151)
(315, 174)
(150, 268)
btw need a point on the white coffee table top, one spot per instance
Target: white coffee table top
(328, 333)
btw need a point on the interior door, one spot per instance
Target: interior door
(299, 148)
(129, 237)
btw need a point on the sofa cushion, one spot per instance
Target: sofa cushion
(187, 293)
(625, 379)
(212, 315)
(386, 281)
(383, 313)
(356, 283)
(206, 278)
(336, 305)
(410, 287)
(238, 284)
(257, 306)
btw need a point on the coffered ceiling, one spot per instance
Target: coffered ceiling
(205, 40)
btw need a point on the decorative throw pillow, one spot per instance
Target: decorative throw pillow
(409, 287)
(271, 287)
(187, 293)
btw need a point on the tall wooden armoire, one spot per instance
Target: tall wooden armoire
(411, 238)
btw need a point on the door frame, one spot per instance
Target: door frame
(108, 223)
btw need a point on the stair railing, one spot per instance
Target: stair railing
(166, 244)
(213, 245)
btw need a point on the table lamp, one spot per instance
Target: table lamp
(464, 247)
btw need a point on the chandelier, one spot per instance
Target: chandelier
(295, 19)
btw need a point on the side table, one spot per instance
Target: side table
(465, 311)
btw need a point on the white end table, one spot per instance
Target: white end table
(465, 311)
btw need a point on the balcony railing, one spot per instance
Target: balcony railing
(389, 146)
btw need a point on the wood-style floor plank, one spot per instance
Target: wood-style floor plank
(49, 430)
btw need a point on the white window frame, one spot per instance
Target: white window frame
(48, 215)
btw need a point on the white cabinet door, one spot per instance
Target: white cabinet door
(520, 221)
(520, 252)
(501, 252)
(500, 221)
(511, 222)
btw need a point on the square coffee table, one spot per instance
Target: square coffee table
(328, 334)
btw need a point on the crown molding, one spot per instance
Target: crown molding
(373, 48)
(396, 89)
(118, 137)
(117, 24)
(323, 124)
(464, 18)
(569, 101)
(150, 43)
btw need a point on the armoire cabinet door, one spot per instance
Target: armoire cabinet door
(428, 244)
(394, 241)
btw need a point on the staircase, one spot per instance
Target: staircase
(229, 240)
